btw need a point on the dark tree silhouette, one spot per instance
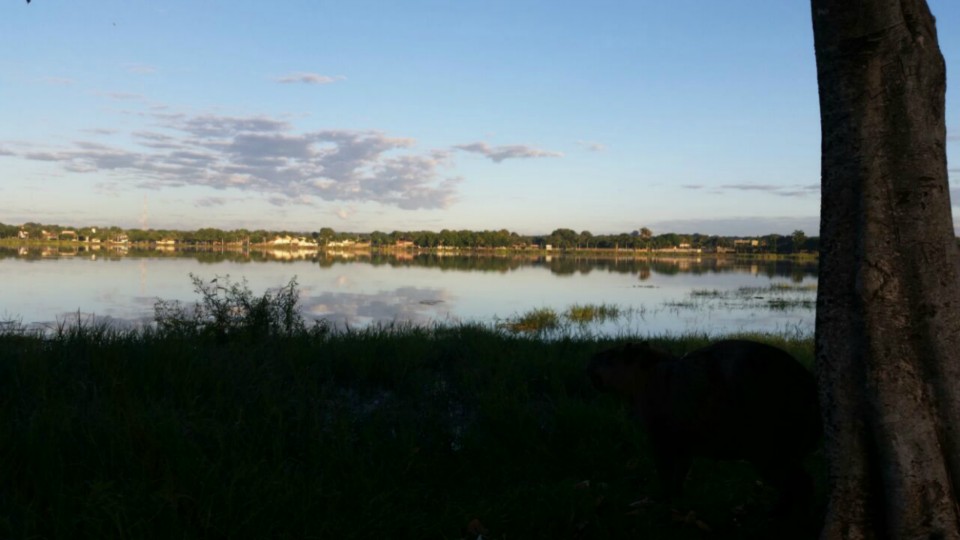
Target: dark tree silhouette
(888, 310)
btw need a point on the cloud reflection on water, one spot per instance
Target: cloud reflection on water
(402, 305)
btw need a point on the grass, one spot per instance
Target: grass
(706, 293)
(583, 314)
(536, 321)
(547, 323)
(203, 428)
(808, 287)
(774, 297)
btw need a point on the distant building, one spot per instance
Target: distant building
(23, 235)
(748, 245)
(291, 241)
(340, 244)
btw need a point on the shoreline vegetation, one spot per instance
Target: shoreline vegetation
(638, 243)
(234, 417)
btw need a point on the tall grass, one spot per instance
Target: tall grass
(218, 424)
(545, 321)
(587, 313)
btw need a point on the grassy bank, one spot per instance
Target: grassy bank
(259, 427)
(377, 434)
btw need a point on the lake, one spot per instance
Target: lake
(44, 286)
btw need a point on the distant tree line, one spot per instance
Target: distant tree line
(559, 239)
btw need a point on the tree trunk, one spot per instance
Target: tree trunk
(888, 308)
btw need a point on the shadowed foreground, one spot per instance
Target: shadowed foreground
(384, 433)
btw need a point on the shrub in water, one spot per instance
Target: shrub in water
(228, 308)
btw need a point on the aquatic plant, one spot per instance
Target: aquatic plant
(588, 313)
(708, 293)
(535, 321)
(227, 307)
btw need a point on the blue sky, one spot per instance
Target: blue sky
(684, 116)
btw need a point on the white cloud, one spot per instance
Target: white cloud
(500, 153)
(309, 78)
(211, 125)
(265, 155)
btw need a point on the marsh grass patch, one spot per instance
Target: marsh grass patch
(535, 321)
(706, 293)
(588, 313)
(578, 319)
(774, 297)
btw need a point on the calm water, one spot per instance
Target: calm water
(715, 296)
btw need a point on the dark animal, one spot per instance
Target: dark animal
(731, 400)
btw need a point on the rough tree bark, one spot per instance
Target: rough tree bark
(888, 309)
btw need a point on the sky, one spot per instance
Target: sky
(361, 115)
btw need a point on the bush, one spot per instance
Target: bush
(228, 308)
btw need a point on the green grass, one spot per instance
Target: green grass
(547, 323)
(588, 313)
(192, 430)
(536, 321)
(774, 297)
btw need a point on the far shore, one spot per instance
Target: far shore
(77, 246)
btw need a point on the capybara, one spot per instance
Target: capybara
(733, 399)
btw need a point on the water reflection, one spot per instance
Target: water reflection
(402, 305)
(357, 288)
(641, 265)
